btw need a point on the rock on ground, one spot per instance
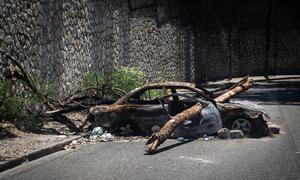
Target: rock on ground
(236, 134)
(274, 128)
(223, 133)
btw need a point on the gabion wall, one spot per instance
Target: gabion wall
(60, 40)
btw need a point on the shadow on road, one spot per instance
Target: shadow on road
(275, 91)
(168, 147)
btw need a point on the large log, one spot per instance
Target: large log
(158, 138)
(217, 92)
(241, 86)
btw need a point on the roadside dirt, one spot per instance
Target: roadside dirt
(15, 143)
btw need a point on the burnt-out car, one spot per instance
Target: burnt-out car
(154, 104)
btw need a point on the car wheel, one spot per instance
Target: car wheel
(243, 125)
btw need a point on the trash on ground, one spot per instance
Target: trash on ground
(208, 138)
(106, 137)
(72, 145)
(182, 139)
(93, 137)
(98, 131)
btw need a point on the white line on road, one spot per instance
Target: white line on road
(196, 159)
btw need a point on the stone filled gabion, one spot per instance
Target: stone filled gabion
(59, 41)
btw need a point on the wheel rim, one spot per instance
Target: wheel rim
(243, 125)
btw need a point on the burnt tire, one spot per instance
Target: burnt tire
(257, 129)
(242, 124)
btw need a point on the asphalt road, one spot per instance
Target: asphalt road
(262, 158)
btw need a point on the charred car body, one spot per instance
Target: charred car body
(154, 104)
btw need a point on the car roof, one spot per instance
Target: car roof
(191, 86)
(171, 84)
(163, 84)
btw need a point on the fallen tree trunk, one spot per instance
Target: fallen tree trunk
(241, 86)
(54, 115)
(165, 132)
(218, 92)
(240, 82)
(66, 121)
(158, 138)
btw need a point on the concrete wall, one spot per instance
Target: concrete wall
(60, 40)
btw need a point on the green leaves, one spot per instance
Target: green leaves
(91, 79)
(21, 106)
(18, 106)
(127, 78)
(123, 78)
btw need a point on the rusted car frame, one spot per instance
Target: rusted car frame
(142, 114)
(130, 109)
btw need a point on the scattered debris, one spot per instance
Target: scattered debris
(208, 138)
(236, 134)
(224, 133)
(274, 128)
(182, 139)
(98, 131)
(75, 143)
(93, 138)
(106, 137)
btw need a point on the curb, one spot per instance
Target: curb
(36, 154)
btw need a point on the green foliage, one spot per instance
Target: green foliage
(44, 89)
(152, 94)
(127, 78)
(91, 79)
(123, 78)
(21, 109)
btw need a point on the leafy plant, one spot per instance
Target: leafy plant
(91, 79)
(20, 107)
(127, 78)
(123, 78)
